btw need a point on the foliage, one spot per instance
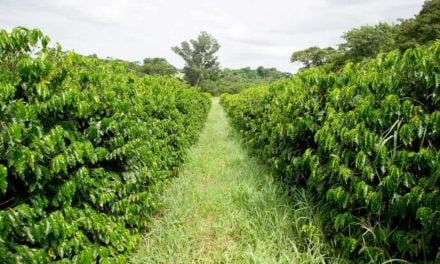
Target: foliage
(360, 43)
(365, 142)
(230, 210)
(236, 80)
(149, 66)
(366, 42)
(423, 28)
(199, 56)
(158, 66)
(313, 56)
(84, 147)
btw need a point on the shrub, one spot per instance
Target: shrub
(365, 141)
(84, 147)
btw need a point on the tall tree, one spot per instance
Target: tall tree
(200, 61)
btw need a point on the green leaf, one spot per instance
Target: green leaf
(3, 178)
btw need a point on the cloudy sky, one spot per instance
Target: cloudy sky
(251, 32)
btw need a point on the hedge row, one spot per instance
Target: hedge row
(365, 142)
(84, 147)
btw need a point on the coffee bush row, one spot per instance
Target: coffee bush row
(85, 146)
(365, 142)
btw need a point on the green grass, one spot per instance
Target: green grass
(226, 208)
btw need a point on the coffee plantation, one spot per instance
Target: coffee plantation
(85, 146)
(365, 142)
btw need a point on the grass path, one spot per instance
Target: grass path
(226, 208)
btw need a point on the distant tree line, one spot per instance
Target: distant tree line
(202, 68)
(236, 80)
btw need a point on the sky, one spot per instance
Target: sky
(250, 32)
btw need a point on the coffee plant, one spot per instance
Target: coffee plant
(84, 148)
(365, 142)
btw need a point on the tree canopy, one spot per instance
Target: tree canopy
(157, 66)
(423, 28)
(313, 56)
(368, 41)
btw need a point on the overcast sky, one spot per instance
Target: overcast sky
(251, 33)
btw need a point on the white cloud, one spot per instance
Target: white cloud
(251, 32)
